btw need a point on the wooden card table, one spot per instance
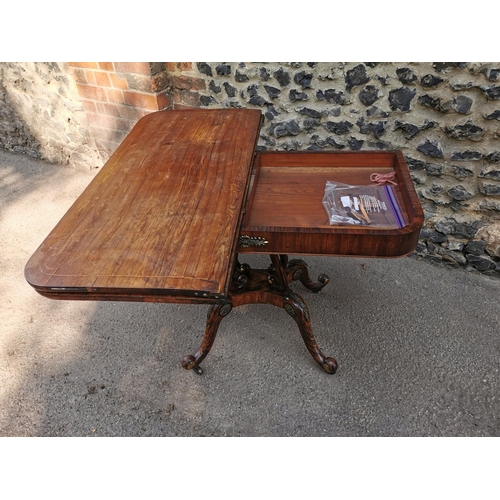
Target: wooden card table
(185, 194)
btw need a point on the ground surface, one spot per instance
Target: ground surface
(418, 347)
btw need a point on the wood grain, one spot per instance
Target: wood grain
(285, 204)
(162, 217)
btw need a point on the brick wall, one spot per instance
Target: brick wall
(116, 94)
(78, 113)
(185, 84)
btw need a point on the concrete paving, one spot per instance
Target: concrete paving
(418, 347)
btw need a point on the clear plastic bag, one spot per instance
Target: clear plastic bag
(374, 206)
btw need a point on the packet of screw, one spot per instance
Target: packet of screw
(373, 205)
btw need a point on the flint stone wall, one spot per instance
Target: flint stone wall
(445, 117)
(41, 114)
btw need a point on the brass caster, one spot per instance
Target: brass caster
(189, 363)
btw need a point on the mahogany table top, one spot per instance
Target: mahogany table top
(161, 218)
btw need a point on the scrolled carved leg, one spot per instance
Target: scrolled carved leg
(297, 268)
(266, 286)
(215, 315)
(295, 306)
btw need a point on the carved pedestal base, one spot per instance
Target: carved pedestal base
(271, 286)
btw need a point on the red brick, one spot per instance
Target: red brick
(180, 100)
(163, 101)
(188, 98)
(141, 68)
(91, 92)
(184, 66)
(79, 75)
(188, 83)
(118, 82)
(140, 100)
(176, 99)
(102, 79)
(112, 109)
(178, 66)
(131, 113)
(139, 83)
(157, 67)
(100, 108)
(89, 65)
(106, 66)
(89, 75)
(160, 81)
(89, 106)
(115, 96)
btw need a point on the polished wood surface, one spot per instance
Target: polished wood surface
(160, 221)
(285, 204)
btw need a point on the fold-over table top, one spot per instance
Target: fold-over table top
(163, 215)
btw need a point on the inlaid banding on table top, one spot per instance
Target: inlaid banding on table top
(163, 213)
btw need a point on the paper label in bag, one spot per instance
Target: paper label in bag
(346, 201)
